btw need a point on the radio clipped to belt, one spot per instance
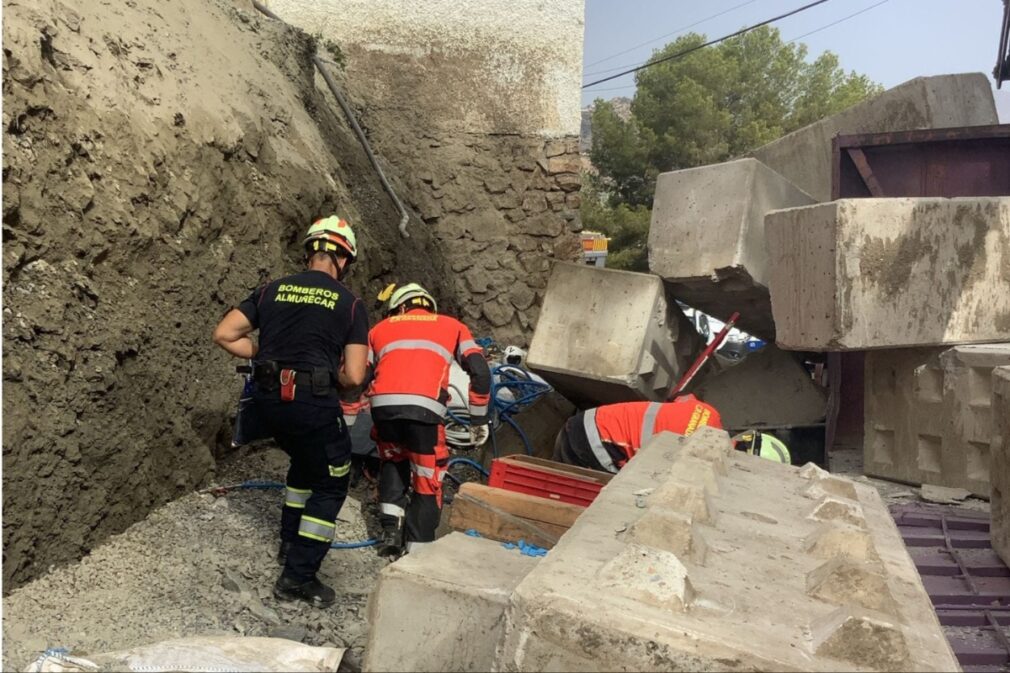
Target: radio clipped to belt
(288, 378)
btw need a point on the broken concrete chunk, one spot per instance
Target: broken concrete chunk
(842, 511)
(707, 241)
(441, 608)
(833, 540)
(944, 101)
(609, 336)
(943, 495)
(670, 531)
(860, 274)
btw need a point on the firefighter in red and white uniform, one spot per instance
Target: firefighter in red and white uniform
(607, 437)
(411, 351)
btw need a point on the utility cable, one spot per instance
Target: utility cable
(835, 23)
(690, 50)
(661, 37)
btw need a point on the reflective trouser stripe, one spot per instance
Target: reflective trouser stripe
(340, 470)
(316, 529)
(478, 411)
(595, 443)
(407, 400)
(296, 497)
(390, 509)
(416, 344)
(416, 546)
(649, 423)
(422, 471)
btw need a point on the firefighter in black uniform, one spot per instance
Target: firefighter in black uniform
(313, 339)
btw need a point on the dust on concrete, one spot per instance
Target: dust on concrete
(160, 160)
(200, 565)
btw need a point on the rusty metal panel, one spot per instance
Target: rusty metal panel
(967, 161)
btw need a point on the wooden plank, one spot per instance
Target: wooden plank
(560, 468)
(494, 523)
(529, 507)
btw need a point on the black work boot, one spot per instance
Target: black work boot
(391, 543)
(313, 592)
(282, 552)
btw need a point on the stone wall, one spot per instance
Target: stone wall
(476, 109)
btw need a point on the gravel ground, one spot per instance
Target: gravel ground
(201, 565)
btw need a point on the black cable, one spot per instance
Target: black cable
(656, 39)
(707, 44)
(835, 23)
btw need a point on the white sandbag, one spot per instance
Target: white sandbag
(201, 654)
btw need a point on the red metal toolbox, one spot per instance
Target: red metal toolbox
(547, 479)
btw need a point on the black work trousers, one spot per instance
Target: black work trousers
(414, 456)
(572, 446)
(316, 440)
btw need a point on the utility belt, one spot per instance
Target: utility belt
(270, 377)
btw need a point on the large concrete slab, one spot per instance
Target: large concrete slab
(944, 101)
(441, 608)
(699, 558)
(610, 336)
(707, 238)
(859, 274)
(929, 418)
(769, 389)
(1000, 501)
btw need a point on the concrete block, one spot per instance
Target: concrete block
(610, 336)
(804, 156)
(707, 241)
(860, 274)
(903, 428)
(1000, 465)
(770, 388)
(941, 423)
(441, 608)
(775, 590)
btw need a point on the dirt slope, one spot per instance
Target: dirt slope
(160, 159)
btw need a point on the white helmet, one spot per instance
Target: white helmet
(514, 355)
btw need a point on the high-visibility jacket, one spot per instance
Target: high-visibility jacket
(411, 354)
(617, 431)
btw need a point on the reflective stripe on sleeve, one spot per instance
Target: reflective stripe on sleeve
(296, 497)
(406, 400)
(416, 344)
(316, 529)
(390, 509)
(649, 423)
(595, 443)
(467, 347)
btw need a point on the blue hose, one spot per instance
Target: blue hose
(466, 461)
(354, 545)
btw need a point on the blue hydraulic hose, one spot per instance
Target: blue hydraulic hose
(467, 461)
(354, 545)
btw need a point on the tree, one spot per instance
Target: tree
(709, 106)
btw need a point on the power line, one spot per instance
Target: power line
(685, 52)
(835, 23)
(657, 39)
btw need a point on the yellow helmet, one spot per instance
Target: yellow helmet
(330, 234)
(413, 293)
(763, 445)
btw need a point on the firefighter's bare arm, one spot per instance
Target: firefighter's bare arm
(352, 372)
(232, 334)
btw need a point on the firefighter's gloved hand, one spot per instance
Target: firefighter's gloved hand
(479, 434)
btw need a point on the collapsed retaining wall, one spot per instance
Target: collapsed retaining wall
(160, 159)
(476, 104)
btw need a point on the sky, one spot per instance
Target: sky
(891, 43)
